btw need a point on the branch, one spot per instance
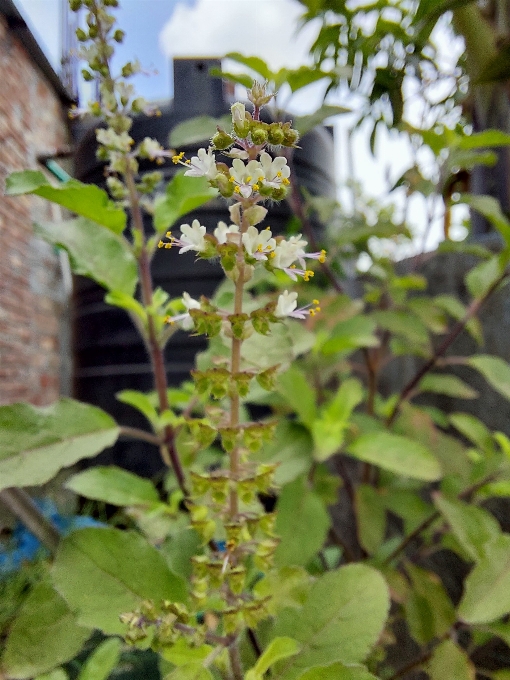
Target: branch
(136, 433)
(24, 508)
(472, 310)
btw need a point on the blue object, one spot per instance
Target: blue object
(23, 546)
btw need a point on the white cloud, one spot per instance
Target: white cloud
(267, 28)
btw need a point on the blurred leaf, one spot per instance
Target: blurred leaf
(306, 123)
(403, 323)
(86, 200)
(351, 334)
(182, 652)
(113, 485)
(479, 140)
(35, 443)
(191, 671)
(287, 586)
(450, 661)
(371, 514)
(95, 570)
(341, 620)
(490, 208)
(429, 611)
(457, 310)
(298, 393)
(197, 130)
(495, 370)
(179, 549)
(329, 427)
(183, 194)
(279, 648)
(473, 527)
(337, 671)
(481, 278)
(94, 252)
(473, 429)
(291, 447)
(487, 587)
(398, 454)
(102, 661)
(44, 634)
(449, 385)
(302, 524)
(142, 402)
(254, 63)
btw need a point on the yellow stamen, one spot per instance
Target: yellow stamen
(312, 312)
(237, 190)
(168, 245)
(178, 157)
(272, 254)
(231, 178)
(248, 179)
(256, 187)
(285, 181)
(160, 244)
(317, 309)
(169, 234)
(315, 302)
(187, 160)
(278, 174)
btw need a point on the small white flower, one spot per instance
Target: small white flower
(287, 303)
(276, 172)
(237, 153)
(202, 165)
(192, 237)
(222, 231)
(284, 255)
(258, 244)
(184, 320)
(246, 177)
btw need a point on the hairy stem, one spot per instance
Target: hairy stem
(167, 449)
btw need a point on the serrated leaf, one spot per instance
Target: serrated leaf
(102, 661)
(44, 634)
(94, 252)
(398, 454)
(450, 385)
(337, 671)
(183, 194)
(299, 507)
(495, 370)
(86, 200)
(473, 527)
(450, 661)
(113, 485)
(341, 620)
(35, 443)
(306, 123)
(487, 587)
(196, 130)
(299, 394)
(104, 572)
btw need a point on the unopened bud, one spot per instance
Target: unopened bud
(93, 32)
(259, 132)
(279, 193)
(86, 75)
(111, 3)
(275, 134)
(81, 35)
(75, 5)
(291, 137)
(118, 36)
(258, 96)
(222, 140)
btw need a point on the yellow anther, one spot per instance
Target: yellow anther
(168, 319)
(187, 160)
(261, 178)
(248, 179)
(317, 309)
(278, 174)
(292, 266)
(161, 244)
(315, 302)
(256, 187)
(169, 234)
(272, 254)
(237, 190)
(312, 312)
(259, 248)
(178, 157)
(168, 245)
(285, 181)
(268, 228)
(231, 178)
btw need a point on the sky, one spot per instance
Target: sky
(158, 30)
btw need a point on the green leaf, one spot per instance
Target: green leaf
(450, 385)
(473, 527)
(302, 77)
(191, 671)
(183, 194)
(104, 572)
(398, 454)
(44, 634)
(182, 653)
(487, 587)
(102, 661)
(113, 485)
(279, 648)
(298, 392)
(480, 140)
(429, 611)
(254, 63)
(197, 130)
(287, 586)
(481, 278)
(371, 514)
(306, 123)
(35, 443)
(490, 208)
(86, 200)
(291, 447)
(337, 671)
(117, 298)
(94, 252)
(473, 429)
(457, 310)
(57, 674)
(405, 324)
(302, 524)
(341, 620)
(495, 370)
(450, 661)
(142, 402)
(328, 429)
(351, 334)
(179, 549)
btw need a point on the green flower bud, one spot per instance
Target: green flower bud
(221, 183)
(279, 193)
(87, 75)
(258, 96)
(219, 489)
(259, 132)
(138, 105)
(199, 563)
(231, 620)
(242, 383)
(127, 70)
(236, 579)
(206, 323)
(75, 5)
(275, 134)
(93, 32)
(119, 35)
(247, 491)
(291, 136)
(148, 610)
(215, 573)
(111, 3)
(200, 484)
(228, 254)
(222, 140)
(81, 35)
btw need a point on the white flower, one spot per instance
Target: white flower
(237, 153)
(202, 165)
(276, 172)
(284, 254)
(286, 306)
(245, 177)
(238, 113)
(184, 320)
(192, 237)
(222, 231)
(258, 244)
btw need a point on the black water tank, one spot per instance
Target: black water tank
(109, 355)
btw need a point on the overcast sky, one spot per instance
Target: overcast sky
(158, 30)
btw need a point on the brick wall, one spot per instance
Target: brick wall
(34, 287)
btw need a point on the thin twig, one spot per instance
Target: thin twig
(24, 508)
(136, 433)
